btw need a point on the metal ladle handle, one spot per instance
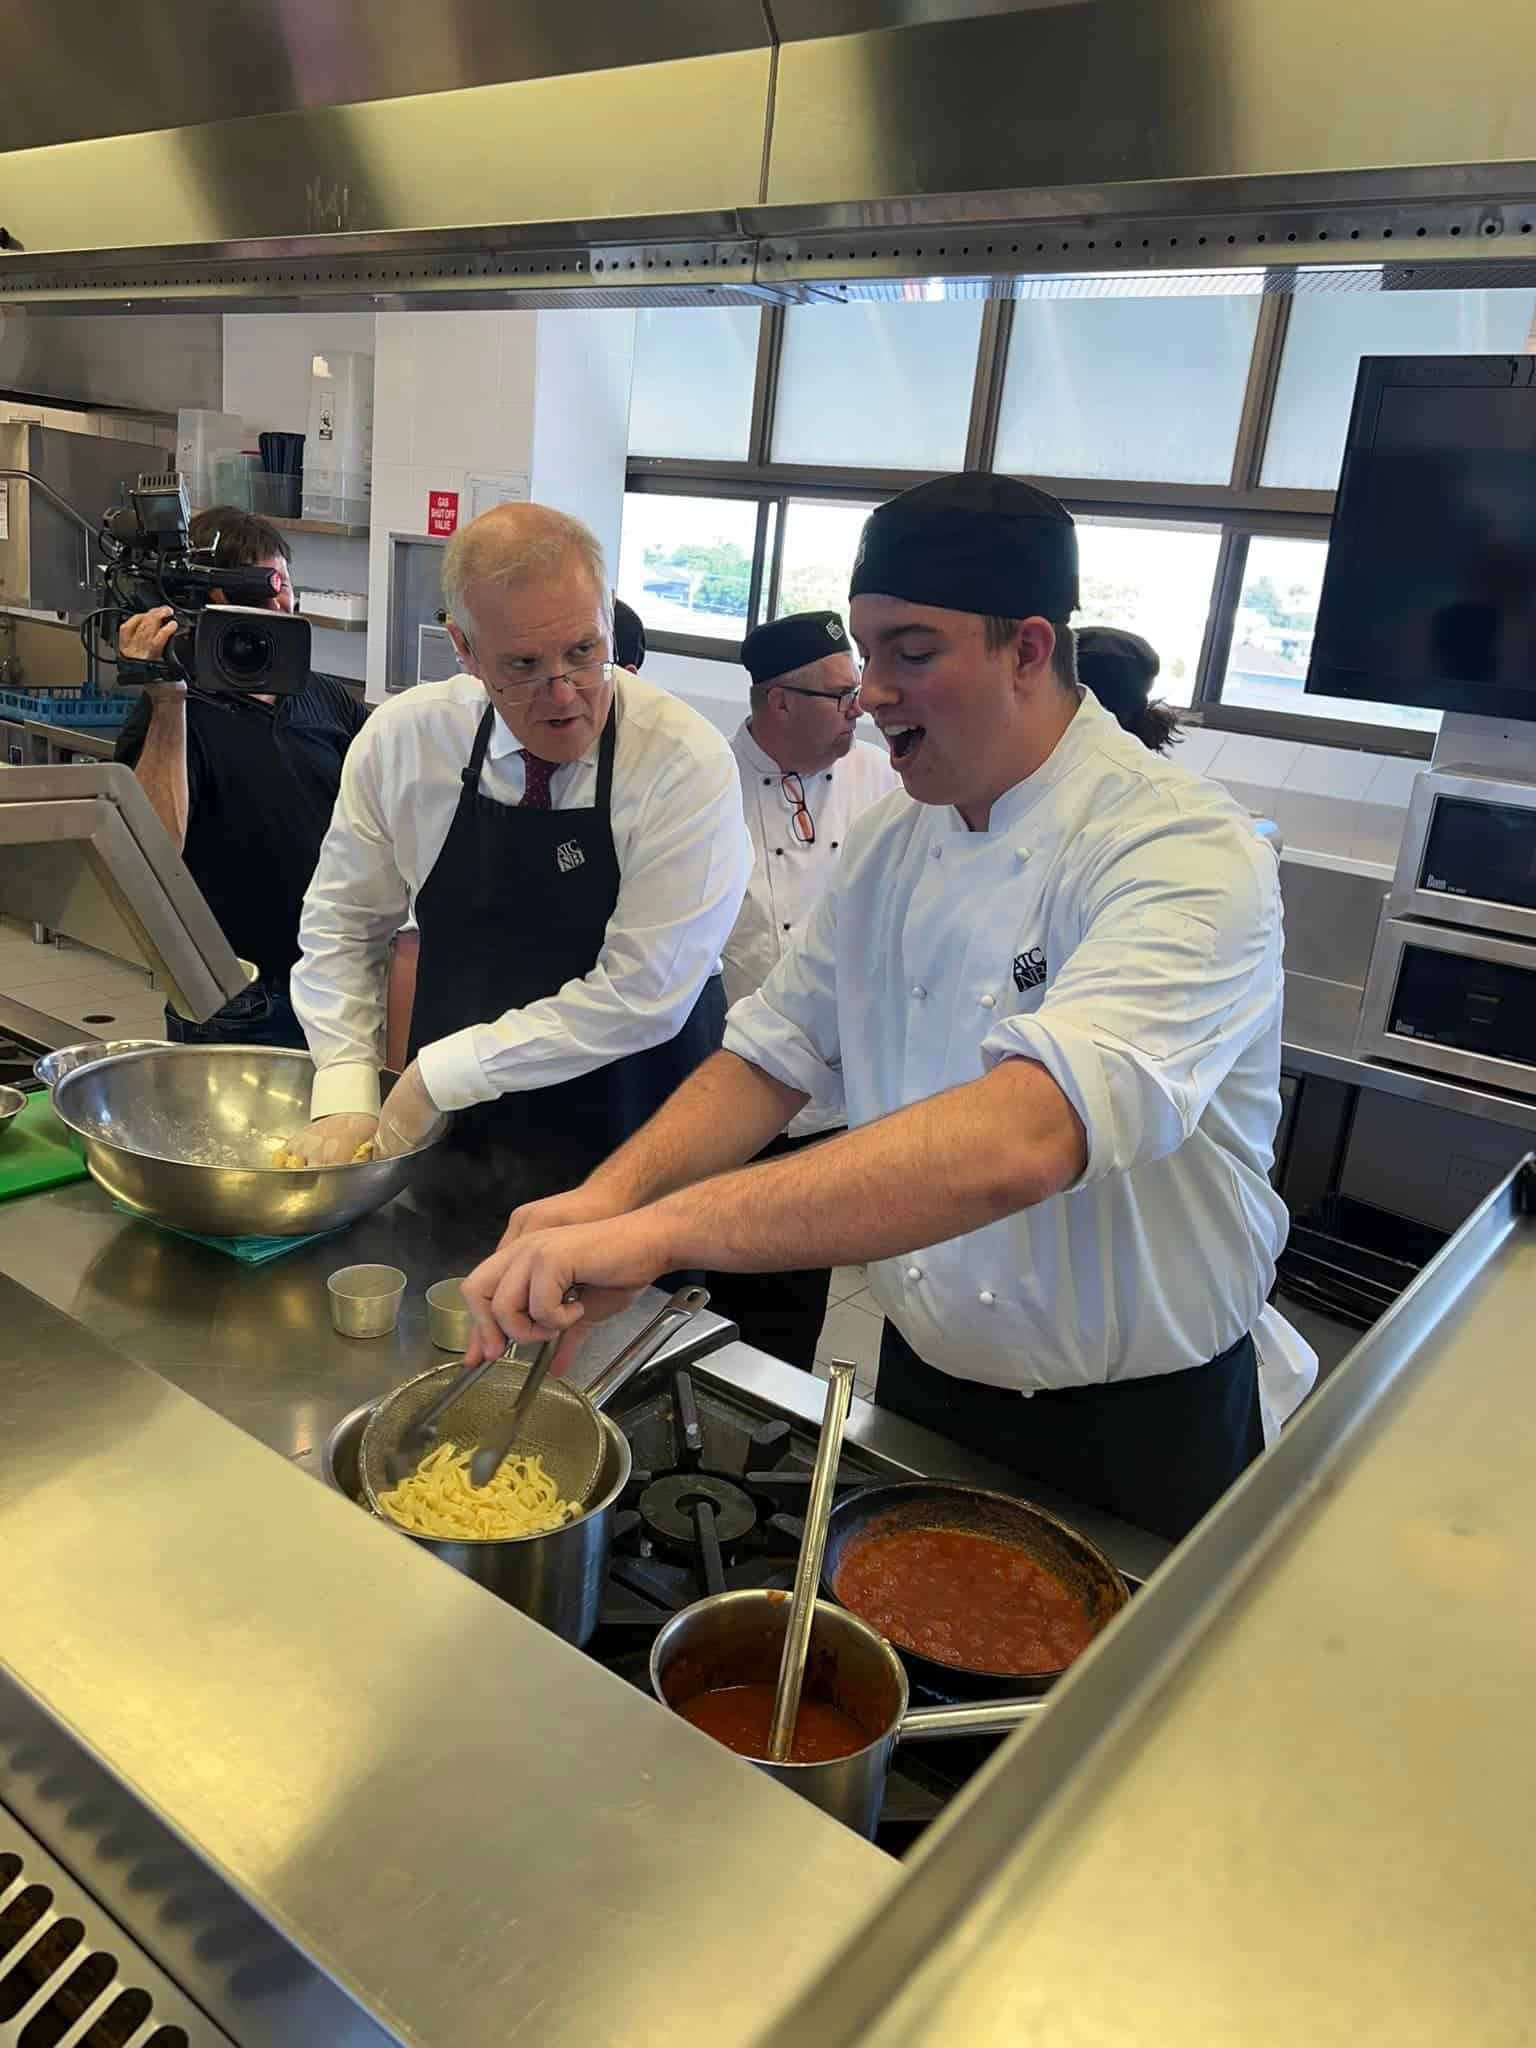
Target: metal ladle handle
(813, 1547)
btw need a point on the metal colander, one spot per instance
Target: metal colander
(561, 1425)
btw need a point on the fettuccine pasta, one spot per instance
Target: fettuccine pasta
(439, 1499)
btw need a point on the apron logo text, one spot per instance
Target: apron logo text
(569, 856)
(1029, 969)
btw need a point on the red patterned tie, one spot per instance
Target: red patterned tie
(536, 787)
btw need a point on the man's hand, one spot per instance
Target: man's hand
(408, 1116)
(145, 637)
(586, 1204)
(519, 1292)
(333, 1140)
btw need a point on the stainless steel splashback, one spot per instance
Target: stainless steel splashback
(481, 151)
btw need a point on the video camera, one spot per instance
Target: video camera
(239, 647)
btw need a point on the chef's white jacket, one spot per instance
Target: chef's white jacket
(1118, 922)
(787, 875)
(683, 860)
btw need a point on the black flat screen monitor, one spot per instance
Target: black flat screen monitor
(1429, 596)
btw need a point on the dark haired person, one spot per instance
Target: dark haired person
(628, 637)
(245, 786)
(1047, 994)
(1120, 669)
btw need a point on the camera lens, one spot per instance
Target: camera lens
(245, 653)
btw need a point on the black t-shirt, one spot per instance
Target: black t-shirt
(262, 782)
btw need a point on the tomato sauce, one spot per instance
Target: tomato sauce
(965, 1600)
(741, 1716)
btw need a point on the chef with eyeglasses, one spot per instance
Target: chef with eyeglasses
(1045, 985)
(570, 841)
(804, 779)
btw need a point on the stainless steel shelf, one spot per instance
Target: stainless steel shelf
(337, 529)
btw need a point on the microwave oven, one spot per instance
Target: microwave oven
(1468, 853)
(1452, 1001)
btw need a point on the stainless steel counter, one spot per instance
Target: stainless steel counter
(1288, 1799)
(337, 1791)
(1319, 1038)
(256, 1343)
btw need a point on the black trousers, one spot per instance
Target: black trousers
(1157, 1452)
(780, 1313)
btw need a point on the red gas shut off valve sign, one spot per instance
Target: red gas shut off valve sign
(442, 513)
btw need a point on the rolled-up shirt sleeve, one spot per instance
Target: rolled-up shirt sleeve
(684, 870)
(357, 901)
(1173, 977)
(789, 1028)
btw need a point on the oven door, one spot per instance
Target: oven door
(1468, 854)
(1453, 1002)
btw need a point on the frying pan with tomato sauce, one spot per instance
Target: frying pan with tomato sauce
(1086, 1594)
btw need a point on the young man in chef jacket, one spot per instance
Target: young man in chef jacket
(803, 782)
(1047, 997)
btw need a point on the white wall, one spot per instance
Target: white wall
(544, 396)
(267, 358)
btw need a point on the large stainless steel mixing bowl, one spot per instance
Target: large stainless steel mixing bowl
(186, 1134)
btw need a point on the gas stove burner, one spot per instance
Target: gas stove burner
(669, 1509)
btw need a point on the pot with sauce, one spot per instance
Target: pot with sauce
(716, 1665)
(974, 1589)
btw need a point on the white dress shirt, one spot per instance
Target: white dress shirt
(787, 875)
(683, 860)
(1118, 922)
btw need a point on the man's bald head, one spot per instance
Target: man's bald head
(515, 544)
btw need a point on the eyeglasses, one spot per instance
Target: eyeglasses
(794, 795)
(841, 698)
(587, 675)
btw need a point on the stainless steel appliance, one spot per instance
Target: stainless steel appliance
(82, 853)
(48, 560)
(1468, 855)
(1452, 982)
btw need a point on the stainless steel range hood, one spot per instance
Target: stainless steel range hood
(494, 151)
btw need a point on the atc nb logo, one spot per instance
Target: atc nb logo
(569, 856)
(1029, 969)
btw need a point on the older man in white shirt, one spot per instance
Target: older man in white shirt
(570, 842)
(1048, 993)
(804, 780)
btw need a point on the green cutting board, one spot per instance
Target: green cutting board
(36, 1151)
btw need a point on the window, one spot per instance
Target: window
(1155, 581)
(1134, 388)
(685, 564)
(877, 386)
(1328, 333)
(1272, 640)
(820, 542)
(695, 367)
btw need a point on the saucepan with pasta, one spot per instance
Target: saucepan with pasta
(554, 1574)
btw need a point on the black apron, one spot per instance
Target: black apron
(517, 904)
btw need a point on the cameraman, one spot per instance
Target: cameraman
(245, 786)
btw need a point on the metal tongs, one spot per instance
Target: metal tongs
(420, 1435)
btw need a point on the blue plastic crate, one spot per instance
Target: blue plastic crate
(73, 708)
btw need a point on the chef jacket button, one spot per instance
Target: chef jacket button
(1021, 854)
(986, 1297)
(778, 850)
(918, 992)
(935, 853)
(834, 846)
(786, 927)
(989, 1002)
(914, 1272)
(767, 782)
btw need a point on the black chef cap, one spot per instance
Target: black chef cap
(1119, 667)
(973, 543)
(628, 635)
(784, 645)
